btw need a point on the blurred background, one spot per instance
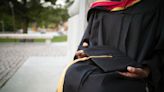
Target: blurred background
(25, 16)
(37, 39)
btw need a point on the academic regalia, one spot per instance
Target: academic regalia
(136, 32)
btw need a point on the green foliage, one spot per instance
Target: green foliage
(29, 11)
(7, 21)
(59, 39)
(55, 39)
(51, 16)
(8, 40)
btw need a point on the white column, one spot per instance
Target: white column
(77, 24)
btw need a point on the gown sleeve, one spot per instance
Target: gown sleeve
(156, 62)
(87, 32)
(160, 46)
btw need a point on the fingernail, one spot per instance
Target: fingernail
(81, 51)
(130, 68)
(85, 44)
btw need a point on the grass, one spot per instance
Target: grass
(8, 40)
(59, 39)
(55, 39)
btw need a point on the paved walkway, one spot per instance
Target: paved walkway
(38, 74)
(13, 55)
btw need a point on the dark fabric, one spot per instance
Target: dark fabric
(118, 62)
(75, 75)
(138, 32)
(86, 77)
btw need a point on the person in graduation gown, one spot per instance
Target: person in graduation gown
(136, 28)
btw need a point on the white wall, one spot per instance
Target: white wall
(76, 24)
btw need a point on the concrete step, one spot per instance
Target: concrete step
(37, 74)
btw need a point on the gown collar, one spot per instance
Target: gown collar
(115, 5)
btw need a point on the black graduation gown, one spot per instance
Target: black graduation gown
(138, 32)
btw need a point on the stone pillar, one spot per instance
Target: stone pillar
(76, 24)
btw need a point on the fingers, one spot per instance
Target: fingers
(80, 54)
(128, 74)
(85, 44)
(136, 72)
(141, 72)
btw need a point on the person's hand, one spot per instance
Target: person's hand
(136, 72)
(80, 54)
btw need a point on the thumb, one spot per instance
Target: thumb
(131, 69)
